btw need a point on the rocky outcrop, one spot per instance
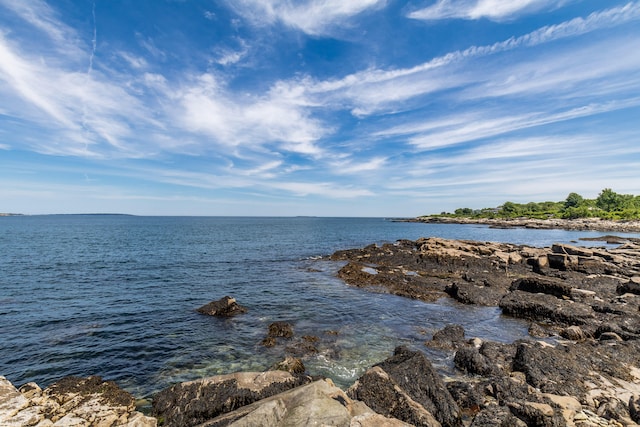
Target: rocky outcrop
(72, 401)
(224, 307)
(406, 387)
(195, 402)
(584, 302)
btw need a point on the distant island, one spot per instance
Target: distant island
(10, 214)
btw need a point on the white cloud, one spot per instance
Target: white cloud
(496, 10)
(311, 16)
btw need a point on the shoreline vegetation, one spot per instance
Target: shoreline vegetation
(610, 211)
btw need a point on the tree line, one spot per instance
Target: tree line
(608, 205)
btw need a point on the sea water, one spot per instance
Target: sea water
(115, 296)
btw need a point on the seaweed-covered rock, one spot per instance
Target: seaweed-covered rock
(406, 386)
(223, 307)
(195, 402)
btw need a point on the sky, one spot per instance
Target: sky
(377, 108)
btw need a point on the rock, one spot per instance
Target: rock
(469, 293)
(72, 401)
(384, 396)
(290, 364)
(280, 329)
(554, 370)
(469, 359)
(545, 307)
(634, 408)
(405, 386)
(195, 402)
(320, 403)
(610, 336)
(542, 285)
(495, 415)
(631, 287)
(536, 414)
(448, 338)
(558, 248)
(224, 307)
(574, 333)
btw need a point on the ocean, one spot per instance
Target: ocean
(115, 296)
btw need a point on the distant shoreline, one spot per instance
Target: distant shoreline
(581, 224)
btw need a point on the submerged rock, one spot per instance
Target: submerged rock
(224, 307)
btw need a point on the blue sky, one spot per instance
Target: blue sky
(310, 107)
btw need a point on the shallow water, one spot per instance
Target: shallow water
(115, 296)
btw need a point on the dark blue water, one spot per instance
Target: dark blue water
(115, 296)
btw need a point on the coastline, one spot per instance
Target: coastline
(580, 224)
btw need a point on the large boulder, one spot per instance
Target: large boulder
(320, 403)
(224, 307)
(405, 386)
(195, 402)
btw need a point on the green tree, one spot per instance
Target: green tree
(573, 200)
(609, 201)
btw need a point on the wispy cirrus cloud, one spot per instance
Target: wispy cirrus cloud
(496, 10)
(313, 17)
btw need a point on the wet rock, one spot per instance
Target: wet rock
(318, 403)
(290, 364)
(631, 287)
(195, 402)
(405, 386)
(448, 338)
(280, 329)
(224, 307)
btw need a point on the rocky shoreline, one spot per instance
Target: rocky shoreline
(580, 224)
(579, 367)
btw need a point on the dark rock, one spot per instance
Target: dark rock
(634, 408)
(574, 333)
(280, 330)
(555, 370)
(448, 338)
(225, 306)
(269, 342)
(537, 331)
(545, 307)
(542, 285)
(195, 402)
(495, 415)
(469, 359)
(610, 336)
(410, 374)
(470, 293)
(469, 400)
(109, 391)
(630, 287)
(536, 414)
